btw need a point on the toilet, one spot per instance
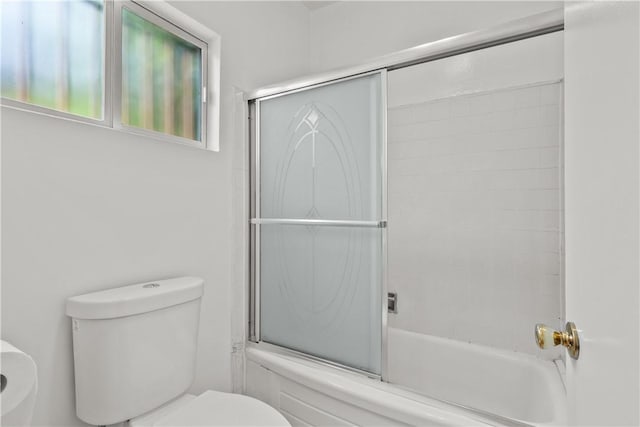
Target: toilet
(134, 350)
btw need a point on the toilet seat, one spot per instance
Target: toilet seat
(213, 408)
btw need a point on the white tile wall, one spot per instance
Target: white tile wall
(475, 208)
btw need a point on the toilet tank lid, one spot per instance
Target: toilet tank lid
(135, 299)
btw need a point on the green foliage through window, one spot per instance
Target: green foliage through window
(52, 54)
(161, 79)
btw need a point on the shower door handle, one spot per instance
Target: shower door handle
(330, 222)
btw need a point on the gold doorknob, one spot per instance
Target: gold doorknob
(547, 338)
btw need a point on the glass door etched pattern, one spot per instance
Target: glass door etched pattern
(320, 159)
(321, 292)
(320, 152)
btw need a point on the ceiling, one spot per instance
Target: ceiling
(314, 5)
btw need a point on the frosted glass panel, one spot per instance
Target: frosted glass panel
(321, 292)
(320, 158)
(161, 79)
(320, 152)
(52, 54)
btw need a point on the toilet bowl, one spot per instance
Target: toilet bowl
(134, 353)
(212, 408)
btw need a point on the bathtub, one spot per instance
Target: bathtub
(466, 385)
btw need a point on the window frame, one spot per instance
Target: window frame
(177, 31)
(174, 21)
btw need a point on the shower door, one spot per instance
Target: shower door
(318, 221)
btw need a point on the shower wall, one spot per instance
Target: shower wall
(475, 194)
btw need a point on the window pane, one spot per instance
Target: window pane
(52, 54)
(161, 79)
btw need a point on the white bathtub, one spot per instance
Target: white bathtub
(486, 387)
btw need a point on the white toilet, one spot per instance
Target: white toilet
(134, 350)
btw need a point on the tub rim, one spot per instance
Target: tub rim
(368, 393)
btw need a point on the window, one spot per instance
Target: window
(57, 59)
(162, 75)
(53, 55)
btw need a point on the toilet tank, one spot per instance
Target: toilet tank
(134, 347)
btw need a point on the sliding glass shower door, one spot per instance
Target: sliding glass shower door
(318, 220)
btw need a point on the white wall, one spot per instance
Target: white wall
(346, 33)
(475, 194)
(86, 208)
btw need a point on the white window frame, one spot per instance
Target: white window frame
(176, 22)
(168, 19)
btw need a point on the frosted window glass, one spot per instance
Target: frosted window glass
(52, 54)
(161, 79)
(320, 158)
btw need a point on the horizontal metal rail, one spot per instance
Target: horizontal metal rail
(519, 29)
(325, 222)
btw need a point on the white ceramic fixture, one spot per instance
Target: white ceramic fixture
(19, 386)
(134, 351)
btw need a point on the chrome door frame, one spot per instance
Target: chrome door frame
(255, 221)
(519, 29)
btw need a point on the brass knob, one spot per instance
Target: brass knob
(547, 338)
